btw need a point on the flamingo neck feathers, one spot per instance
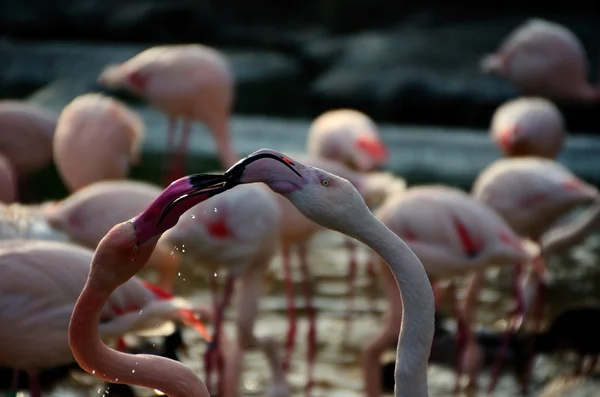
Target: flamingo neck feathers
(416, 335)
(170, 377)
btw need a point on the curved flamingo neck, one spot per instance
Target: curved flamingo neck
(565, 236)
(418, 306)
(170, 377)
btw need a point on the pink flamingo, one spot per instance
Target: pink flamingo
(322, 197)
(531, 194)
(188, 82)
(452, 235)
(26, 138)
(97, 138)
(349, 137)
(528, 127)
(543, 58)
(8, 181)
(239, 231)
(41, 281)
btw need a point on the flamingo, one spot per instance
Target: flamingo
(8, 181)
(188, 82)
(545, 59)
(26, 138)
(349, 137)
(324, 198)
(85, 216)
(239, 231)
(41, 281)
(97, 138)
(528, 126)
(452, 235)
(531, 194)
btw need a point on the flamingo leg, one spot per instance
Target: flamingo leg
(371, 270)
(171, 138)
(35, 389)
(312, 318)
(352, 265)
(210, 351)
(460, 335)
(213, 354)
(291, 307)
(516, 318)
(179, 164)
(537, 318)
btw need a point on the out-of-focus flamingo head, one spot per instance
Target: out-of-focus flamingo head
(324, 198)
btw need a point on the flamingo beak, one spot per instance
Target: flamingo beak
(181, 195)
(235, 175)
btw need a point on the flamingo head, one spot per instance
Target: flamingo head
(322, 197)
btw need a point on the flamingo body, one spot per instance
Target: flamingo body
(97, 138)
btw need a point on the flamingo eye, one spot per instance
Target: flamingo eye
(325, 182)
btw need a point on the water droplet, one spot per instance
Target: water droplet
(182, 245)
(154, 345)
(141, 311)
(172, 253)
(133, 371)
(215, 210)
(193, 216)
(135, 247)
(93, 372)
(179, 274)
(182, 250)
(116, 379)
(215, 274)
(184, 279)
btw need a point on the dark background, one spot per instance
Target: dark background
(412, 62)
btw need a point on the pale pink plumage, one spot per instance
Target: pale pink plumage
(26, 132)
(40, 283)
(190, 82)
(528, 127)
(97, 138)
(543, 58)
(348, 137)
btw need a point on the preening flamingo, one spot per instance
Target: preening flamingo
(322, 197)
(97, 138)
(238, 231)
(40, 283)
(349, 137)
(545, 59)
(190, 82)
(531, 194)
(528, 127)
(452, 235)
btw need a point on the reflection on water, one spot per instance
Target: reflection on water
(573, 277)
